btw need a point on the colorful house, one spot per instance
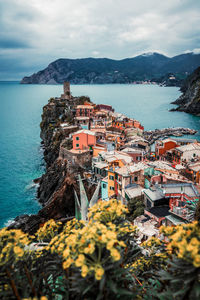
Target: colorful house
(84, 111)
(185, 153)
(104, 189)
(83, 139)
(162, 146)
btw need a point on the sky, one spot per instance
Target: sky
(34, 33)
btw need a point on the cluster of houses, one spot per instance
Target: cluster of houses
(168, 182)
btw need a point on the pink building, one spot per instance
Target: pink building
(83, 139)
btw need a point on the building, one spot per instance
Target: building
(179, 195)
(84, 111)
(104, 189)
(186, 153)
(67, 92)
(162, 146)
(104, 107)
(83, 139)
(83, 122)
(136, 154)
(127, 176)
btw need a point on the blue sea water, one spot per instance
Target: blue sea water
(21, 158)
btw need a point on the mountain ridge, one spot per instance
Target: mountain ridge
(148, 66)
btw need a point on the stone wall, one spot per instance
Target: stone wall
(82, 159)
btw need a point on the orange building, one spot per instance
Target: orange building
(83, 139)
(162, 146)
(136, 124)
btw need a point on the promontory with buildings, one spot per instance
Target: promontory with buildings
(93, 153)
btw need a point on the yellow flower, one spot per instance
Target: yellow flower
(99, 271)
(194, 242)
(110, 245)
(18, 251)
(84, 270)
(89, 249)
(80, 260)
(67, 263)
(196, 262)
(115, 254)
(66, 252)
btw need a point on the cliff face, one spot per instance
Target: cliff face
(189, 101)
(56, 186)
(149, 66)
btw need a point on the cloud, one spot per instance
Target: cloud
(33, 33)
(196, 51)
(12, 43)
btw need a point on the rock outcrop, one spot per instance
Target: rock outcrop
(56, 186)
(189, 101)
(149, 66)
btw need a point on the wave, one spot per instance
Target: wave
(32, 185)
(8, 222)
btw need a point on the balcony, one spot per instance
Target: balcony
(184, 213)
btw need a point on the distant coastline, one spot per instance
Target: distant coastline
(153, 67)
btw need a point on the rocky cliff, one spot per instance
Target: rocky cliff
(56, 186)
(189, 101)
(148, 66)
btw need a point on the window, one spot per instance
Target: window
(104, 186)
(135, 178)
(112, 188)
(111, 177)
(77, 145)
(77, 138)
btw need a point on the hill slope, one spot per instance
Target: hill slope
(189, 101)
(149, 66)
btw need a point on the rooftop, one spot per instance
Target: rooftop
(160, 165)
(190, 147)
(159, 211)
(88, 106)
(127, 170)
(85, 131)
(133, 191)
(195, 167)
(154, 195)
(180, 188)
(100, 165)
(175, 220)
(132, 150)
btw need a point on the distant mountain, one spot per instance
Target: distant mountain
(148, 66)
(189, 101)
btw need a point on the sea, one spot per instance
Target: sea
(21, 156)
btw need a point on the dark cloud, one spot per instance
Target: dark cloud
(12, 43)
(33, 33)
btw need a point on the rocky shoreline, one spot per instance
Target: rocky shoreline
(152, 135)
(189, 101)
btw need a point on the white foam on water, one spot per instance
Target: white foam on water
(8, 222)
(32, 185)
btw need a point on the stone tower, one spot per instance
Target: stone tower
(67, 93)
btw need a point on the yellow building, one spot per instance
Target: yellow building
(112, 176)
